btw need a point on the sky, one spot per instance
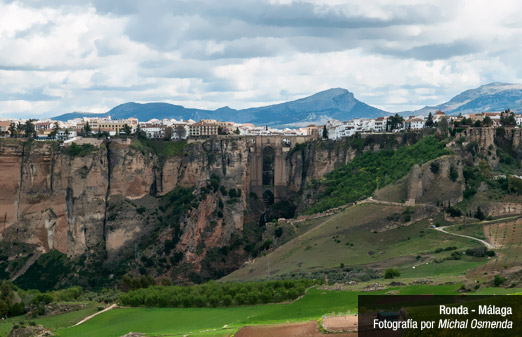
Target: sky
(60, 56)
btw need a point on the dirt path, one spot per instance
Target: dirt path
(484, 242)
(96, 314)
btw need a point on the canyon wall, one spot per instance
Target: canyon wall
(112, 203)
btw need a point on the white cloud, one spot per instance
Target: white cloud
(59, 57)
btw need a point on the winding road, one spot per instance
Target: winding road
(484, 242)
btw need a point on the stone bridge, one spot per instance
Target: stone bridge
(267, 164)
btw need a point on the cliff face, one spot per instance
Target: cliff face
(116, 204)
(52, 200)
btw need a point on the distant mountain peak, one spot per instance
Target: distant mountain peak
(333, 92)
(495, 96)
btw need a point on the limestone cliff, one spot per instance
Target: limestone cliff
(182, 210)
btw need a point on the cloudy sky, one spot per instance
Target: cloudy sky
(60, 56)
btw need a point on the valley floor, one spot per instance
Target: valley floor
(221, 322)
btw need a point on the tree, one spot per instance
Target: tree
(507, 118)
(394, 122)
(391, 273)
(169, 132)
(19, 129)
(429, 121)
(222, 130)
(325, 132)
(487, 121)
(140, 134)
(479, 214)
(12, 130)
(237, 132)
(87, 129)
(180, 131)
(56, 128)
(498, 280)
(127, 129)
(28, 128)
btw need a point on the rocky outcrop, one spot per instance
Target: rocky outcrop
(437, 182)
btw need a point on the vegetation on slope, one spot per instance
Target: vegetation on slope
(75, 150)
(163, 149)
(359, 178)
(46, 273)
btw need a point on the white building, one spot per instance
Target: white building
(153, 130)
(65, 134)
(415, 123)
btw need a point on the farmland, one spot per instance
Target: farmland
(224, 321)
(211, 321)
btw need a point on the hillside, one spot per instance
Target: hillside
(359, 243)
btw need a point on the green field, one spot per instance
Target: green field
(52, 322)
(358, 237)
(210, 321)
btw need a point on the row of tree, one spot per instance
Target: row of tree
(26, 129)
(215, 294)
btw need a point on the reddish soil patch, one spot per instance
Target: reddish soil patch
(308, 329)
(341, 323)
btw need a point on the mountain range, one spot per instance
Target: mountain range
(336, 103)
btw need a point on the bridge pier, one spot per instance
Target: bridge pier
(260, 170)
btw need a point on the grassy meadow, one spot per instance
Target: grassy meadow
(357, 237)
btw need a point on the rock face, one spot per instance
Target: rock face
(52, 200)
(110, 203)
(106, 203)
(440, 181)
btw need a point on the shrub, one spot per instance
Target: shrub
(469, 192)
(479, 214)
(498, 280)
(435, 167)
(391, 273)
(453, 212)
(75, 150)
(453, 173)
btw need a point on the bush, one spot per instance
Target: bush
(477, 252)
(435, 167)
(391, 273)
(453, 212)
(453, 173)
(75, 150)
(469, 192)
(498, 280)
